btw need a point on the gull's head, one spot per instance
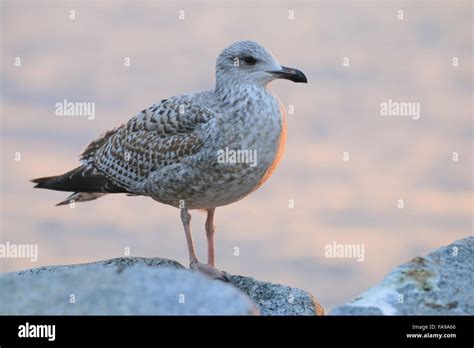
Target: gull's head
(249, 63)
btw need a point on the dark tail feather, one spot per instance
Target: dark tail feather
(81, 179)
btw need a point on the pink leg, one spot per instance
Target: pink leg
(207, 269)
(210, 230)
(186, 219)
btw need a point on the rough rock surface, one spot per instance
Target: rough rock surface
(441, 283)
(134, 285)
(276, 299)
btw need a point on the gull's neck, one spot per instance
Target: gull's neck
(234, 89)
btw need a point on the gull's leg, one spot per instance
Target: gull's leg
(210, 230)
(186, 219)
(206, 269)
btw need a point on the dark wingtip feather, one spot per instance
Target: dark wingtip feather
(41, 182)
(80, 179)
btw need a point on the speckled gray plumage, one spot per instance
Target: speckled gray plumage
(169, 150)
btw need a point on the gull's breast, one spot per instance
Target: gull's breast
(261, 130)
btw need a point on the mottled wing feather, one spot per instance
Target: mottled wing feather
(158, 136)
(88, 154)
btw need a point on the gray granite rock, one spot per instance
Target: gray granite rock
(276, 299)
(134, 285)
(441, 283)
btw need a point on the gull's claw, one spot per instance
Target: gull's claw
(210, 271)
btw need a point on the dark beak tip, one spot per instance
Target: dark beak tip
(300, 77)
(291, 74)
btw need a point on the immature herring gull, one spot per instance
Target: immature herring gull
(184, 151)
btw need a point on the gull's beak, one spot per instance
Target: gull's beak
(291, 74)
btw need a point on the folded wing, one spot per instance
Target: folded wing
(159, 136)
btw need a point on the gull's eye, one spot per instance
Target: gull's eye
(250, 60)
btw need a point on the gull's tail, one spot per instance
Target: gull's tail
(86, 183)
